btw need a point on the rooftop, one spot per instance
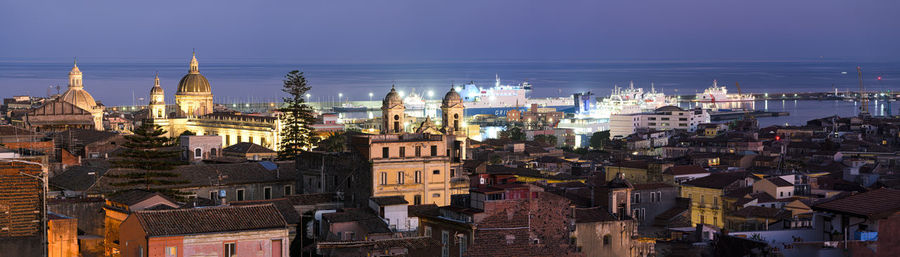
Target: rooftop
(874, 204)
(685, 170)
(209, 220)
(594, 214)
(717, 180)
(247, 147)
(389, 200)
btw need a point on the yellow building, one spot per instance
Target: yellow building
(424, 167)
(706, 194)
(194, 112)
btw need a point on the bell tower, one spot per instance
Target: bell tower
(452, 111)
(392, 113)
(157, 100)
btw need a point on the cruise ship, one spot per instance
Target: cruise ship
(627, 101)
(717, 94)
(500, 98)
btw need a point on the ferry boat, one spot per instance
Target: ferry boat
(349, 108)
(500, 98)
(717, 94)
(414, 101)
(627, 101)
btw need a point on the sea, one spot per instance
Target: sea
(128, 81)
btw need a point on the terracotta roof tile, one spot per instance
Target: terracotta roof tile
(210, 220)
(873, 204)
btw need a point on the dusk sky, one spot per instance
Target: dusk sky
(395, 30)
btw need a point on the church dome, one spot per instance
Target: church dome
(452, 98)
(392, 99)
(80, 98)
(193, 82)
(157, 90)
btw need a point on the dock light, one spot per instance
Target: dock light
(307, 96)
(767, 94)
(430, 93)
(795, 95)
(401, 93)
(340, 95)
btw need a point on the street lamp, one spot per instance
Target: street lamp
(370, 96)
(340, 97)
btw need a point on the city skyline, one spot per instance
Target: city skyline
(404, 31)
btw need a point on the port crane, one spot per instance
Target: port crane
(863, 99)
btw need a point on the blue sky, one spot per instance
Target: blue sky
(463, 30)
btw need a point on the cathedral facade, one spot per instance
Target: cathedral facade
(194, 111)
(74, 109)
(424, 167)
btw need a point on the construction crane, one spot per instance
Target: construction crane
(863, 99)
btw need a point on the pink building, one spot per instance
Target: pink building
(229, 231)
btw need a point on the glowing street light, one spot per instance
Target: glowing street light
(401, 93)
(370, 96)
(430, 93)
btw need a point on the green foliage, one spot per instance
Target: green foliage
(514, 133)
(188, 133)
(496, 159)
(296, 134)
(333, 143)
(600, 139)
(146, 151)
(546, 139)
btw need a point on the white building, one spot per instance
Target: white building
(663, 118)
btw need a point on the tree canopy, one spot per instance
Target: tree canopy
(296, 117)
(147, 152)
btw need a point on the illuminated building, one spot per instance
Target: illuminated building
(75, 108)
(194, 112)
(423, 167)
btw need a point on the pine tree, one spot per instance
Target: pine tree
(296, 134)
(146, 151)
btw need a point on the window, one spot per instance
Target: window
(436, 195)
(701, 219)
(385, 152)
(652, 123)
(227, 140)
(171, 251)
(402, 152)
(428, 231)
(267, 193)
(510, 239)
(417, 199)
(212, 152)
(418, 177)
(288, 190)
(665, 119)
(212, 195)
(715, 201)
(240, 194)
(637, 198)
(436, 172)
(239, 139)
(715, 220)
(445, 242)
(198, 153)
(230, 250)
(434, 150)
(702, 199)
(781, 194)
(250, 139)
(400, 178)
(384, 178)
(652, 118)
(607, 240)
(418, 151)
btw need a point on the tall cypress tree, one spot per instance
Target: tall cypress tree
(296, 133)
(146, 151)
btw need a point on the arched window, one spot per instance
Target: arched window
(212, 152)
(198, 153)
(606, 240)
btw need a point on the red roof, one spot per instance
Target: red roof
(873, 204)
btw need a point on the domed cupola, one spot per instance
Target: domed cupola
(193, 82)
(451, 98)
(392, 99)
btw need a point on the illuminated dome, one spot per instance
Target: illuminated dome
(392, 99)
(157, 90)
(75, 94)
(452, 98)
(193, 82)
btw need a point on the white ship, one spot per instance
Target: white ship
(414, 101)
(627, 101)
(501, 98)
(717, 94)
